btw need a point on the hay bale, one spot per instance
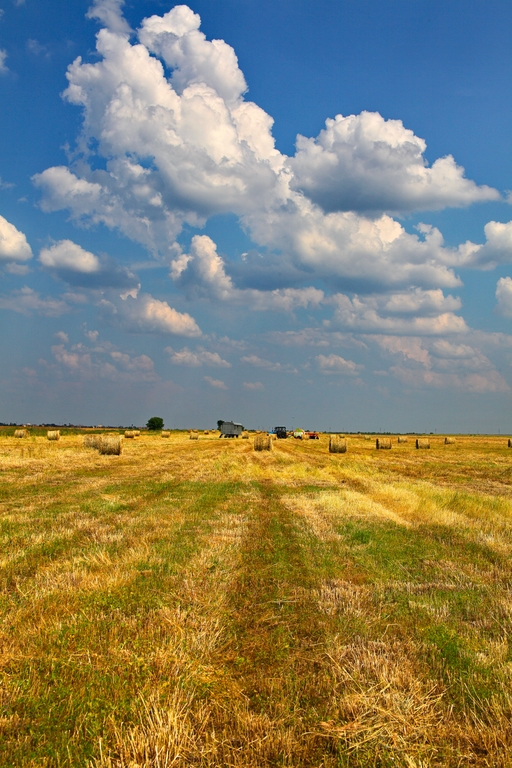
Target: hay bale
(110, 446)
(166, 434)
(402, 439)
(422, 442)
(194, 436)
(206, 432)
(449, 441)
(21, 433)
(367, 437)
(383, 443)
(92, 441)
(263, 442)
(245, 435)
(53, 434)
(129, 433)
(510, 442)
(136, 432)
(337, 444)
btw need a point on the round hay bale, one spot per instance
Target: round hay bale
(367, 437)
(337, 444)
(383, 443)
(110, 446)
(194, 436)
(136, 432)
(92, 441)
(166, 434)
(422, 442)
(53, 434)
(510, 442)
(206, 432)
(263, 443)
(402, 439)
(129, 433)
(21, 433)
(245, 435)
(449, 441)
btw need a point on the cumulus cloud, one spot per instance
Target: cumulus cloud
(197, 358)
(109, 13)
(77, 266)
(13, 243)
(368, 164)
(416, 313)
(145, 314)
(26, 300)
(337, 364)
(86, 363)
(215, 383)
(203, 273)
(3, 66)
(504, 296)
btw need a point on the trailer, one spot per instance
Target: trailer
(230, 429)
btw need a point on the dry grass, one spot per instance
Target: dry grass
(287, 608)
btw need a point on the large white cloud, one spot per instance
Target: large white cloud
(13, 243)
(145, 314)
(369, 164)
(504, 296)
(75, 265)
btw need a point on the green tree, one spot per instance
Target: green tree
(220, 422)
(155, 422)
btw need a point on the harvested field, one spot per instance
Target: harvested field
(202, 604)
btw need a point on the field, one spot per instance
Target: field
(194, 603)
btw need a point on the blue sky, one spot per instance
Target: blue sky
(276, 212)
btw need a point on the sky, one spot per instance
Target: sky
(275, 212)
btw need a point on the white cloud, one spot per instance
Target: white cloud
(203, 273)
(504, 296)
(26, 301)
(108, 12)
(79, 267)
(196, 359)
(13, 243)
(61, 336)
(90, 364)
(3, 67)
(69, 256)
(388, 314)
(146, 314)
(369, 164)
(215, 383)
(253, 386)
(337, 364)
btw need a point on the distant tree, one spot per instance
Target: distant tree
(220, 422)
(155, 422)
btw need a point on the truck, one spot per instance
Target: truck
(280, 433)
(230, 429)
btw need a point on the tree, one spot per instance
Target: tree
(155, 422)
(219, 423)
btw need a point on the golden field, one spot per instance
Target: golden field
(196, 603)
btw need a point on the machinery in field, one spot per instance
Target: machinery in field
(312, 435)
(280, 433)
(230, 429)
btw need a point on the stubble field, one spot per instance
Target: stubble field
(194, 603)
